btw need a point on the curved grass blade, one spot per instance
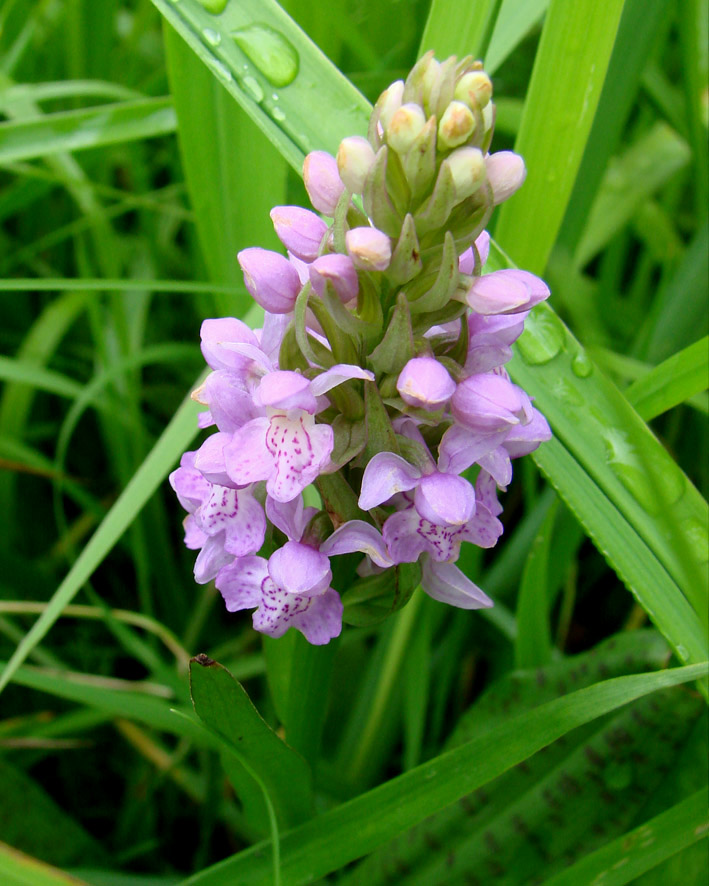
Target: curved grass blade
(173, 441)
(89, 128)
(278, 76)
(569, 70)
(643, 848)
(675, 380)
(360, 825)
(18, 869)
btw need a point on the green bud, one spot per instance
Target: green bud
(406, 257)
(440, 95)
(456, 126)
(427, 294)
(354, 160)
(474, 88)
(397, 347)
(467, 170)
(420, 162)
(376, 199)
(435, 211)
(404, 127)
(389, 103)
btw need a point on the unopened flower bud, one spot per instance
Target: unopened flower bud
(506, 172)
(355, 157)
(467, 261)
(389, 103)
(425, 383)
(322, 181)
(270, 278)
(369, 248)
(487, 403)
(299, 230)
(467, 168)
(404, 127)
(506, 292)
(474, 88)
(456, 126)
(339, 271)
(430, 77)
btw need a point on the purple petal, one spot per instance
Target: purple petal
(524, 439)
(445, 582)
(486, 493)
(466, 261)
(300, 570)
(289, 516)
(270, 278)
(424, 382)
(300, 230)
(229, 401)
(506, 173)
(284, 389)
(460, 448)
(356, 535)
(240, 583)
(497, 463)
(336, 375)
(194, 537)
(369, 248)
(407, 535)
(299, 450)
(445, 499)
(339, 271)
(211, 559)
(322, 620)
(189, 484)
(385, 475)
(210, 461)
(488, 403)
(322, 181)
(498, 293)
(238, 515)
(483, 530)
(247, 458)
(215, 333)
(271, 336)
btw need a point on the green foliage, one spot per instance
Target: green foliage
(141, 146)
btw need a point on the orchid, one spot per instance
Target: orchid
(378, 378)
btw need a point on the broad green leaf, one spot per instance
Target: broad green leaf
(173, 441)
(637, 34)
(643, 848)
(569, 70)
(533, 642)
(595, 423)
(234, 175)
(90, 128)
(567, 801)
(18, 869)
(629, 180)
(449, 27)
(515, 20)
(357, 827)
(278, 76)
(672, 382)
(225, 707)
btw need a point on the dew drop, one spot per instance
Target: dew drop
(565, 391)
(220, 69)
(581, 365)
(275, 96)
(216, 7)
(696, 533)
(278, 115)
(682, 652)
(253, 87)
(542, 338)
(272, 54)
(653, 481)
(214, 38)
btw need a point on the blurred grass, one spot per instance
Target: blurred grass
(131, 241)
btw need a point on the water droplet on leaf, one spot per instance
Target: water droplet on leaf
(272, 54)
(653, 481)
(214, 6)
(581, 365)
(214, 38)
(220, 69)
(542, 338)
(253, 87)
(682, 652)
(278, 115)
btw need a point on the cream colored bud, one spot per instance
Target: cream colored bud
(506, 173)
(354, 160)
(467, 168)
(404, 127)
(430, 78)
(368, 248)
(389, 103)
(488, 116)
(474, 88)
(456, 126)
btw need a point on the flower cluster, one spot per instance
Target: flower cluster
(378, 376)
